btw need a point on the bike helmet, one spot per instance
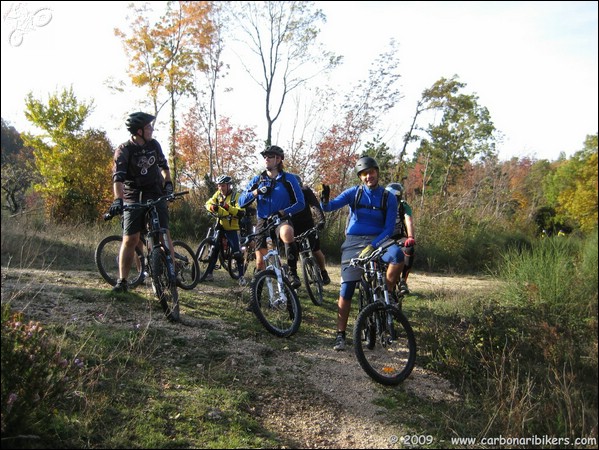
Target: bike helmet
(274, 150)
(138, 120)
(396, 189)
(224, 179)
(366, 162)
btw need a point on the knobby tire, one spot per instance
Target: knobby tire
(164, 288)
(186, 266)
(391, 358)
(106, 257)
(313, 280)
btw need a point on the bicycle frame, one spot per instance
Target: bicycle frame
(272, 258)
(214, 248)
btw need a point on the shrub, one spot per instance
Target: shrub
(36, 377)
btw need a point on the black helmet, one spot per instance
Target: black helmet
(224, 179)
(396, 189)
(138, 120)
(274, 150)
(366, 162)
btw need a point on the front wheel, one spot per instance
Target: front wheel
(186, 266)
(107, 261)
(313, 280)
(391, 358)
(164, 288)
(275, 304)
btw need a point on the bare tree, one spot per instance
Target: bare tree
(282, 34)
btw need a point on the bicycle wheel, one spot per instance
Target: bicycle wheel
(107, 262)
(186, 266)
(277, 307)
(206, 258)
(313, 280)
(393, 356)
(234, 268)
(165, 290)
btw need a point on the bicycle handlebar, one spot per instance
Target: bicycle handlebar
(131, 206)
(307, 233)
(354, 262)
(272, 222)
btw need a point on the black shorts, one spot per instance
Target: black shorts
(134, 221)
(260, 223)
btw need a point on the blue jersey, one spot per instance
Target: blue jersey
(371, 217)
(285, 195)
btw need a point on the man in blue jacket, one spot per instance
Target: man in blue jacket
(371, 223)
(276, 193)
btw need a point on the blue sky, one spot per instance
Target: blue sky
(532, 64)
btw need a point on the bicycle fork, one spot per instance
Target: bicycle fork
(272, 257)
(387, 301)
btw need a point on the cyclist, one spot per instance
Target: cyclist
(370, 224)
(224, 203)
(304, 220)
(404, 234)
(277, 193)
(140, 173)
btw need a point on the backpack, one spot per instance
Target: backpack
(400, 227)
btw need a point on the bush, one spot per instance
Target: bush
(36, 377)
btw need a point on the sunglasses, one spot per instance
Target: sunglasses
(269, 156)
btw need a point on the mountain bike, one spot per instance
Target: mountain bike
(384, 342)
(274, 302)
(215, 248)
(160, 266)
(310, 269)
(107, 253)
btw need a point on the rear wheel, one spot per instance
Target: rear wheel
(164, 288)
(206, 258)
(186, 266)
(313, 280)
(107, 261)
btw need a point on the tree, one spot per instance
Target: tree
(162, 57)
(361, 111)
(18, 171)
(234, 159)
(282, 34)
(209, 41)
(463, 133)
(74, 164)
(575, 182)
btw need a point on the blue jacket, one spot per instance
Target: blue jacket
(286, 195)
(370, 218)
